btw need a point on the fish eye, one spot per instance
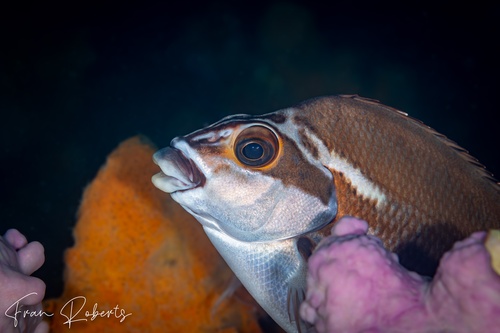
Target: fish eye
(252, 150)
(256, 146)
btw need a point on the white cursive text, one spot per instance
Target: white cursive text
(24, 313)
(71, 309)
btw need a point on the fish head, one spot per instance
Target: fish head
(248, 177)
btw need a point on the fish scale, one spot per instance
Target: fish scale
(316, 162)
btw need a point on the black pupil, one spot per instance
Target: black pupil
(253, 151)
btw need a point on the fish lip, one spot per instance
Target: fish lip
(178, 172)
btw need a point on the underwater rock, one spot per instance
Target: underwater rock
(355, 285)
(141, 263)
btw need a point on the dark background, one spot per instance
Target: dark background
(78, 78)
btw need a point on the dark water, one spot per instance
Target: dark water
(73, 85)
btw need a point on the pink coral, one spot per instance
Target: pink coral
(355, 285)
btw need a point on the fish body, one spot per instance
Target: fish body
(267, 188)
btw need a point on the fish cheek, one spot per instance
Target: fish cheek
(239, 201)
(310, 177)
(253, 206)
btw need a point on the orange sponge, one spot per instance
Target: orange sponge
(141, 263)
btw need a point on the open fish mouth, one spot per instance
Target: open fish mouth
(179, 173)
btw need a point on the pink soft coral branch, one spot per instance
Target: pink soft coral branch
(355, 285)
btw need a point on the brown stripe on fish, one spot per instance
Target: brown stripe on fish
(209, 149)
(304, 122)
(293, 169)
(276, 117)
(362, 184)
(307, 143)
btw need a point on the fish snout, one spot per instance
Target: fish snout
(179, 172)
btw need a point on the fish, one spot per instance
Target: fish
(266, 189)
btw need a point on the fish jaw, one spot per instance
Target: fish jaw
(179, 173)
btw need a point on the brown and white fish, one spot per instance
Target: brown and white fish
(267, 188)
